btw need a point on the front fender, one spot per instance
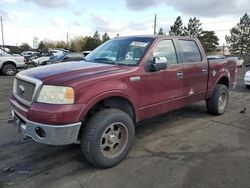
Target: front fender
(104, 90)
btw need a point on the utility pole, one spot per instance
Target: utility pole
(155, 25)
(223, 48)
(67, 38)
(1, 20)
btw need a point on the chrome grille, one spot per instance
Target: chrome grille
(25, 90)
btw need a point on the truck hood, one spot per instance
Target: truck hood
(63, 72)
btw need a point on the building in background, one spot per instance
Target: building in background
(35, 43)
(220, 50)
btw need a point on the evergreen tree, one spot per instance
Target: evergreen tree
(96, 40)
(193, 28)
(177, 28)
(105, 37)
(239, 38)
(161, 31)
(91, 44)
(42, 46)
(209, 40)
(97, 36)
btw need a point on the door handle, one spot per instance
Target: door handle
(204, 70)
(179, 74)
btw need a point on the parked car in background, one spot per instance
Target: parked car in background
(247, 63)
(239, 61)
(216, 57)
(49, 58)
(247, 79)
(58, 51)
(73, 56)
(29, 53)
(65, 57)
(37, 60)
(10, 63)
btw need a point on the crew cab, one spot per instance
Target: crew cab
(98, 101)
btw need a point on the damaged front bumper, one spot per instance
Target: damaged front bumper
(46, 134)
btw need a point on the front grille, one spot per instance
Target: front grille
(25, 90)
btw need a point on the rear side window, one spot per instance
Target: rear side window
(191, 52)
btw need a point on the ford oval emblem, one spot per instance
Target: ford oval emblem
(21, 89)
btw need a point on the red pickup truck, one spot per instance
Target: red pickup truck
(98, 101)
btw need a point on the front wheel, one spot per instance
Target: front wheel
(9, 70)
(217, 104)
(107, 138)
(248, 86)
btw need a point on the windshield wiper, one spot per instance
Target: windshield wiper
(104, 59)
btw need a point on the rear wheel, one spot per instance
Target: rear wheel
(218, 102)
(107, 138)
(9, 69)
(248, 86)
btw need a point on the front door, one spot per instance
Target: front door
(162, 90)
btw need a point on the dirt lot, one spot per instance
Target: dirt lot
(184, 148)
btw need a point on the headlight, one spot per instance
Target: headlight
(56, 95)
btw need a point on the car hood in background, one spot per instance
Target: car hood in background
(247, 74)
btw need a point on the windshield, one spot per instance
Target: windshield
(122, 51)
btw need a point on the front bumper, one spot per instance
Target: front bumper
(47, 134)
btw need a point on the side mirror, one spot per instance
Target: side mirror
(159, 63)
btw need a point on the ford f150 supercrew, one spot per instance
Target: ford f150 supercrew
(98, 101)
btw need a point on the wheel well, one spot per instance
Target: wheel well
(224, 81)
(113, 102)
(8, 62)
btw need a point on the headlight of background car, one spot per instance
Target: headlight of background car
(56, 95)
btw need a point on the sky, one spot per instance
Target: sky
(53, 19)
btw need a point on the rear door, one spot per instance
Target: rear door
(195, 70)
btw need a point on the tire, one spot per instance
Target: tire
(107, 138)
(248, 86)
(9, 70)
(217, 104)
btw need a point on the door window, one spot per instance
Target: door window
(164, 48)
(190, 50)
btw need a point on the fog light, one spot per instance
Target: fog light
(40, 132)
